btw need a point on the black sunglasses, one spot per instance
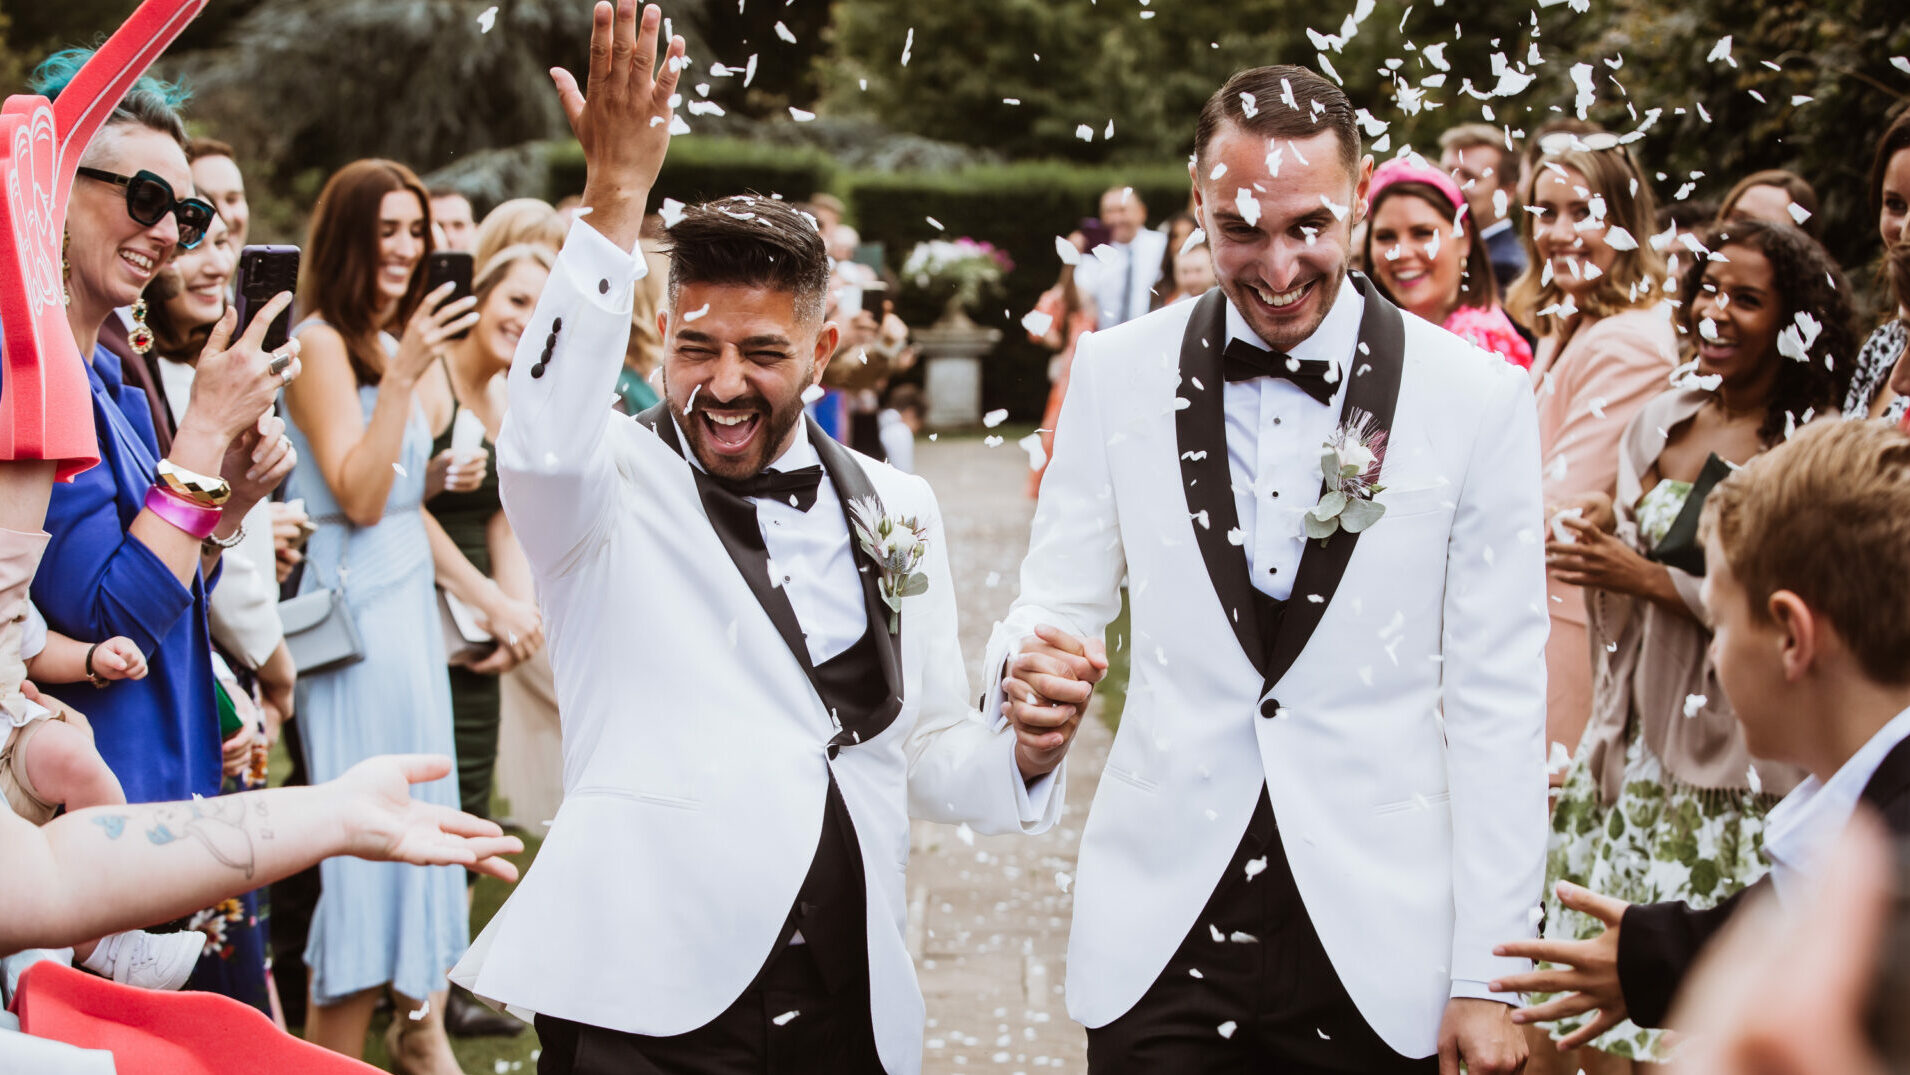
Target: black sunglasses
(149, 198)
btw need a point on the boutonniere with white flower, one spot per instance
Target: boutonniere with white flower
(1350, 462)
(897, 545)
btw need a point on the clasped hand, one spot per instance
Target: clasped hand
(1045, 690)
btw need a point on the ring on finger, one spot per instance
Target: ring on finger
(280, 363)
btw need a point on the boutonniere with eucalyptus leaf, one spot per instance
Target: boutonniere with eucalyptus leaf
(897, 545)
(1350, 463)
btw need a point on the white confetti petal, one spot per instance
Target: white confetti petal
(784, 33)
(1227, 1028)
(487, 19)
(784, 1018)
(995, 417)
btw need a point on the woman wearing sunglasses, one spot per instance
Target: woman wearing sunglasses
(135, 540)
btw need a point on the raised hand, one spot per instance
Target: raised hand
(622, 116)
(1045, 692)
(1586, 972)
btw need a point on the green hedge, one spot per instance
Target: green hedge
(699, 169)
(1020, 208)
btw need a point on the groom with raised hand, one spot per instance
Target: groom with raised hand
(754, 637)
(1326, 799)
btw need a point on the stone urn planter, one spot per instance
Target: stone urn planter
(952, 350)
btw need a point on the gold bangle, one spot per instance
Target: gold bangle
(199, 489)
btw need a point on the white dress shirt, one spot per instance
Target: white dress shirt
(810, 557)
(1274, 435)
(1121, 277)
(1801, 829)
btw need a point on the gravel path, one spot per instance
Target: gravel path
(988, 916)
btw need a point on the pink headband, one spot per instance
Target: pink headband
(1405, 170)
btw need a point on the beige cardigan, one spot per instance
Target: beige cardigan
(1647, 660)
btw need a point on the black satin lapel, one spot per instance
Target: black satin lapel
(1200, 430)
(1375, 390)
(853, 484)
(752, 564)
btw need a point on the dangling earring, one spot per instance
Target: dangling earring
(66, 268)
(140, 336)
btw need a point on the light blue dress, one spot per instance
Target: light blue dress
(379, 922)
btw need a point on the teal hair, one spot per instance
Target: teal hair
(150, 103)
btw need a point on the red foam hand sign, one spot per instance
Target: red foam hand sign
(45, 409)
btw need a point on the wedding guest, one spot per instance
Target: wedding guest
(1605, 347)
(1775, 195)
(361, 429)
(1554, 135)
(1179, 228)
(1810, 654)
(1122, 274)
(1427, 254)
(1068, 313)
(1194, 272)
(902, 414)
(1664, 799)
(215, 172)
(506, 291)
(1872, 393)
(519, 220)
(451, 215)
(136, 539)
(1483, 160)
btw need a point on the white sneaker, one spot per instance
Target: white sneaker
(147, 960)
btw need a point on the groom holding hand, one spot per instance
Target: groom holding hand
(754, 637)
(1326, 800)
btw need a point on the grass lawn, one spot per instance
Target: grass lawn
(1113, 689)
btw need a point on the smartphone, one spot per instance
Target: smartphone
(449, 266)
(264, 271)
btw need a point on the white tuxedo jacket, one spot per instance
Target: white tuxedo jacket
(695, 768)
(1405, 763)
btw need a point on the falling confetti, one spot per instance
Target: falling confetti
(784, 1018)
(1227, 1028)
(487, 19)
(784, 33)
(908, 46)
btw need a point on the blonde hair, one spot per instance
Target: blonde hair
(1636, 276)
(1826, 516)
(645, 347)
(515, 222)
(492, 271)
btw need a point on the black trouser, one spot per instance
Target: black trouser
(806, 1012)
(788, 1023)
(1266, 998)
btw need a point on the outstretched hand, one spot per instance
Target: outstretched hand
(622, 115)
(385, 824)
(1044, 692)
(1586, 972)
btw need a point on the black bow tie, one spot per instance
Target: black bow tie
(797, 487)
(1242, 361)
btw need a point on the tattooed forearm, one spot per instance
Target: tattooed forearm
(218, 824)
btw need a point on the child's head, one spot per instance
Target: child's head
(1807, 550)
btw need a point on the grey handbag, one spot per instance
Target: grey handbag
(320, 633)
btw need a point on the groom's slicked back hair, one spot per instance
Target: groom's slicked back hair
(751, 241)
(1317, 105)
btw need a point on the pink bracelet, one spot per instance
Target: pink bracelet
(194, 519)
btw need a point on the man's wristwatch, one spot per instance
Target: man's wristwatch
(194, 487)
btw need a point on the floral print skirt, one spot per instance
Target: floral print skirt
(1661, 840)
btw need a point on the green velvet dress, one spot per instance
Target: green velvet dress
(474, 698)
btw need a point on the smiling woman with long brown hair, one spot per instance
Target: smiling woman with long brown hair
(367, 450)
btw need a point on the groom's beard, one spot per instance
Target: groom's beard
(1284, 328)
(766, 444)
